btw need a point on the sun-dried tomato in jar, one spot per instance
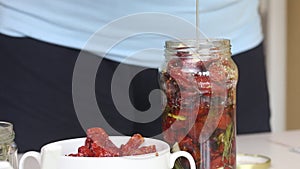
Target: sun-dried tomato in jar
(199, 81)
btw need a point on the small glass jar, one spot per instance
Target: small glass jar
(8, 148)
(199, 81)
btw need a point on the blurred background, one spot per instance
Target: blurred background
(293, 66)
(282, 34)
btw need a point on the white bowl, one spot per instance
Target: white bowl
(54, 156)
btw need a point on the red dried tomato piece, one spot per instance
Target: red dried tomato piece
(217, 162)
(168, 121)
(189, 94)
(187, 145)
(100, 137)
(88, 142)
(112, 148)
(144, 150)
(217, 72)
(224, 121)
(84, 151)
(218, 90)
(96, 131)
(103, 151)
(196, 153)
(203, 111)
(195, 131)
(172, 90)
(191, 65)
(178, 125)
(134, 142)
(184, 80)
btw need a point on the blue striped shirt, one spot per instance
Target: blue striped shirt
(71, 23)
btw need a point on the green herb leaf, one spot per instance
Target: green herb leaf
(178, 164)
(227, 139)
(177, 117)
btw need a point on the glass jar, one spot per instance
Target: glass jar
(8, 148)
(199, 81)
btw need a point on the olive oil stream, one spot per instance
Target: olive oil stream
(198, 31)
(197, 25)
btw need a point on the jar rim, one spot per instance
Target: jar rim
(6, 132)
(200, 48)
(5, 124)
(201, 43)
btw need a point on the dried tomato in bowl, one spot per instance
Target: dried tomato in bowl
(98, 144)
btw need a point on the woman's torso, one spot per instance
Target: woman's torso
(71, 23)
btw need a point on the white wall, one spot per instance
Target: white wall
(275, 22)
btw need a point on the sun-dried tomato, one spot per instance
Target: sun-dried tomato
(98, 144)
(134, 142)
(84, 151)
(103, 151)
(144, 150)
(224, 121)
(88, 142)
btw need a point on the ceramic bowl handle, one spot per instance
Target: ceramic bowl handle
(185, 154)
(47, 159)
(37, 156)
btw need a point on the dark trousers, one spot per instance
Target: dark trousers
(36, 93)
(253, 110)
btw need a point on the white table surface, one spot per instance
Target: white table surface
(277, 146)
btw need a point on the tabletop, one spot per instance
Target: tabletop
(283, 148)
